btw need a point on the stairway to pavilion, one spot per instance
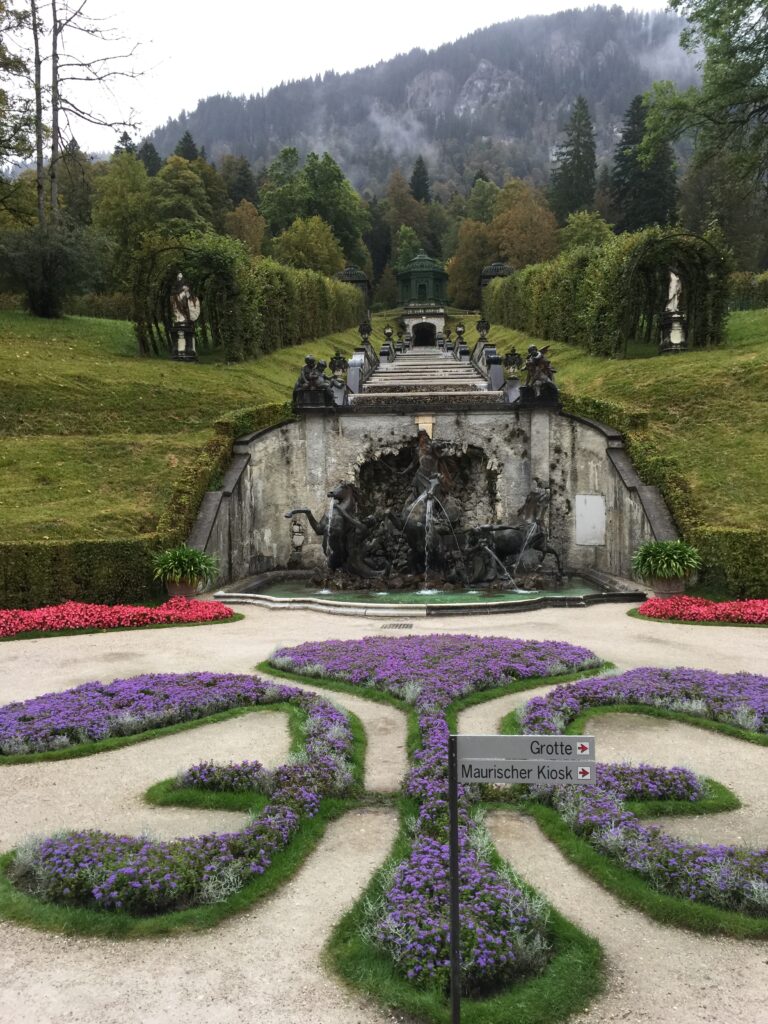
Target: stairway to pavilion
(425, 374)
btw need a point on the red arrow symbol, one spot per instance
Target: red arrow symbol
(583, 773)
(582, 748)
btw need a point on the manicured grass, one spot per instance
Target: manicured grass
(570, 980)
(634, 890)
(706, 409)
(22, 908)
(39, 634)
(18, 906)
(93, 437)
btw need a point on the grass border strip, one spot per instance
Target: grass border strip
(573, 977)
(635, 891)
(623, 883)
(117, 742)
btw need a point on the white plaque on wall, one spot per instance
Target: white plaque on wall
(590, 519)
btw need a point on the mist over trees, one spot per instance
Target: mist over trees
(496, 100)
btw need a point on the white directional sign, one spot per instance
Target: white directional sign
(524, 748)
(533, 773)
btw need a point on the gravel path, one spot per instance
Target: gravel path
(105, 790)
(261, 966)
(743, 767)
(656, 975)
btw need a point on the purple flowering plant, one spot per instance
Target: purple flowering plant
(503, 929)
(724, 876)
(142, 876)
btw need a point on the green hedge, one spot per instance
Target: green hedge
(49, 572)
(603, 297)
(249, 306)
(747, 290)
(112, 306)
(114, 571)
(734, 557)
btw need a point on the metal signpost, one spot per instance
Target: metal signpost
(505, 760)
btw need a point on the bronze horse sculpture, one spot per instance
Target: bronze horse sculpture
(344, 535)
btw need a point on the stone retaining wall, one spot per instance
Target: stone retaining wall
(599, 512)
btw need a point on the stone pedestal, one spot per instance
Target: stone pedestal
(673, 332)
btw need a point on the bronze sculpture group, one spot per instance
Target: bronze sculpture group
(425, 537)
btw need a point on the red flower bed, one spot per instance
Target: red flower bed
(75, 615)
(699, 609)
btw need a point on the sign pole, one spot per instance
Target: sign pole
(453, 853)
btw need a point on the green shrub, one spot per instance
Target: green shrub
(111, 306)
(665, 560)
(250, 306)
(602, 297)
(183, 564)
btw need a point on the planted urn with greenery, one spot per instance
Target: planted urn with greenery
(184, 570)
(667, 565)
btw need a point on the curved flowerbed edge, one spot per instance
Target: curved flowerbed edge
(52, 634)
(116, 742)
(22, 908)
(629, 887)
(574, 975)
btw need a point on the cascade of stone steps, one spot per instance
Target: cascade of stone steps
(425, 373)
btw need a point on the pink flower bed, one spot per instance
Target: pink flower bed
(699, 609)
(76, 615)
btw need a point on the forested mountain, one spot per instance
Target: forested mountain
(495, 100)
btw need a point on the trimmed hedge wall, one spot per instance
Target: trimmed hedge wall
(601, 297)
(249, 306)
(114, 571)
(734, 558)
(747, 290)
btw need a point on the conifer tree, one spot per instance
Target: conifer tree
(572, 185)
(149, 157)
(642, 193)
(186, 147)
(419, 183)
(125, 144)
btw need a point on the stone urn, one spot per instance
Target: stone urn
(184, 588)
(670, 587)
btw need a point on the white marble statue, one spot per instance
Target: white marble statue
(675, 290)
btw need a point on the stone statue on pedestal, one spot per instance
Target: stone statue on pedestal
(185, 311)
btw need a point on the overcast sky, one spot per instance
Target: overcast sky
(191, 50)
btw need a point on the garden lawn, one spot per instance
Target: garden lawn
(93, 437)
(706, 410)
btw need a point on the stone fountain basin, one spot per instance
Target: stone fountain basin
(295, 590)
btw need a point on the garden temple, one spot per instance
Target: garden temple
(422, 287)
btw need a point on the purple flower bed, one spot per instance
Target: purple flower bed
(503, 933)
(443, 666)
(740, 699)
(100, 870)
(224, 778)
(95, 711)
(724, 876)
